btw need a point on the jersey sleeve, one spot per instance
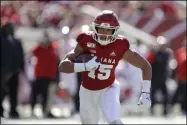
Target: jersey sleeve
(126, 44)
(81, 40)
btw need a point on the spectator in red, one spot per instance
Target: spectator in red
(180, 93)
(45, 70)
(9, 12)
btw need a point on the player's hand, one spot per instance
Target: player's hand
(145, 100)
(92, 64)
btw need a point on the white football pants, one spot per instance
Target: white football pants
(105, 101)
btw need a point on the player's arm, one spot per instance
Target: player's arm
(139, 62)
(136, 60)
(67, 65)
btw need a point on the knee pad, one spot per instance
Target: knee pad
(116, 122)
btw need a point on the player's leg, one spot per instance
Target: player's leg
(89, 111)
(110, 104)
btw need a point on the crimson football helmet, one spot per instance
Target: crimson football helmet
(106, 19)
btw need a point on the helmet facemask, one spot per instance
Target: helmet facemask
(109, 38)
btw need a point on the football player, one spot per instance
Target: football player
(99, 90)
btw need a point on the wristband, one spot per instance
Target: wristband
(79, 67)
(146, 85)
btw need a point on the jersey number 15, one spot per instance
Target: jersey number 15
(104, 74)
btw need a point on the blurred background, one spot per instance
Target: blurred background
(36, 35)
